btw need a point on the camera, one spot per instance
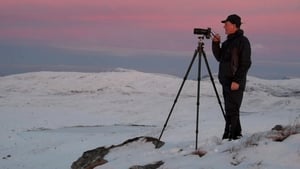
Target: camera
(206, 32)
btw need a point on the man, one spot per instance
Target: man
(234, 57)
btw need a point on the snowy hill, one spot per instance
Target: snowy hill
(48, 119)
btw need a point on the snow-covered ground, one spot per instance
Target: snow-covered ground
(48, 119)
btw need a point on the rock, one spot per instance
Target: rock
(280, 133)
(92, 158)
(148, 166)
(277, 127)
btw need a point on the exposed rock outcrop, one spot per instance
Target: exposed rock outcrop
(93, 158)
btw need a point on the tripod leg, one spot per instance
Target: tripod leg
(198, 99)
(212, 80)
(182, 84)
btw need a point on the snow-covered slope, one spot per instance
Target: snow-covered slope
(48, 119)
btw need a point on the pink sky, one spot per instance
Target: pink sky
(130, 22)
(271, 25)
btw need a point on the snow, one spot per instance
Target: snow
(48, 119)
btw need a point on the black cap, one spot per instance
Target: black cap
(234, 19)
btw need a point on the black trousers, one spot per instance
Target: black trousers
(233, 101)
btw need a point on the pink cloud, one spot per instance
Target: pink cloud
(156, 24)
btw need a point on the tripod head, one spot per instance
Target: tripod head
(200, 43)
(201, 37)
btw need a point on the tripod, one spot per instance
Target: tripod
(198, 52)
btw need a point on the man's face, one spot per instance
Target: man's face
(229, 28)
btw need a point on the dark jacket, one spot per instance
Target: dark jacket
(235, 59)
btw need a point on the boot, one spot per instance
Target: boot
(234, 130)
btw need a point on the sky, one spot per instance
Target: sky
(150, 36)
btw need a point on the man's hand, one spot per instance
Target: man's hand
(216, 38)
(235, 86)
